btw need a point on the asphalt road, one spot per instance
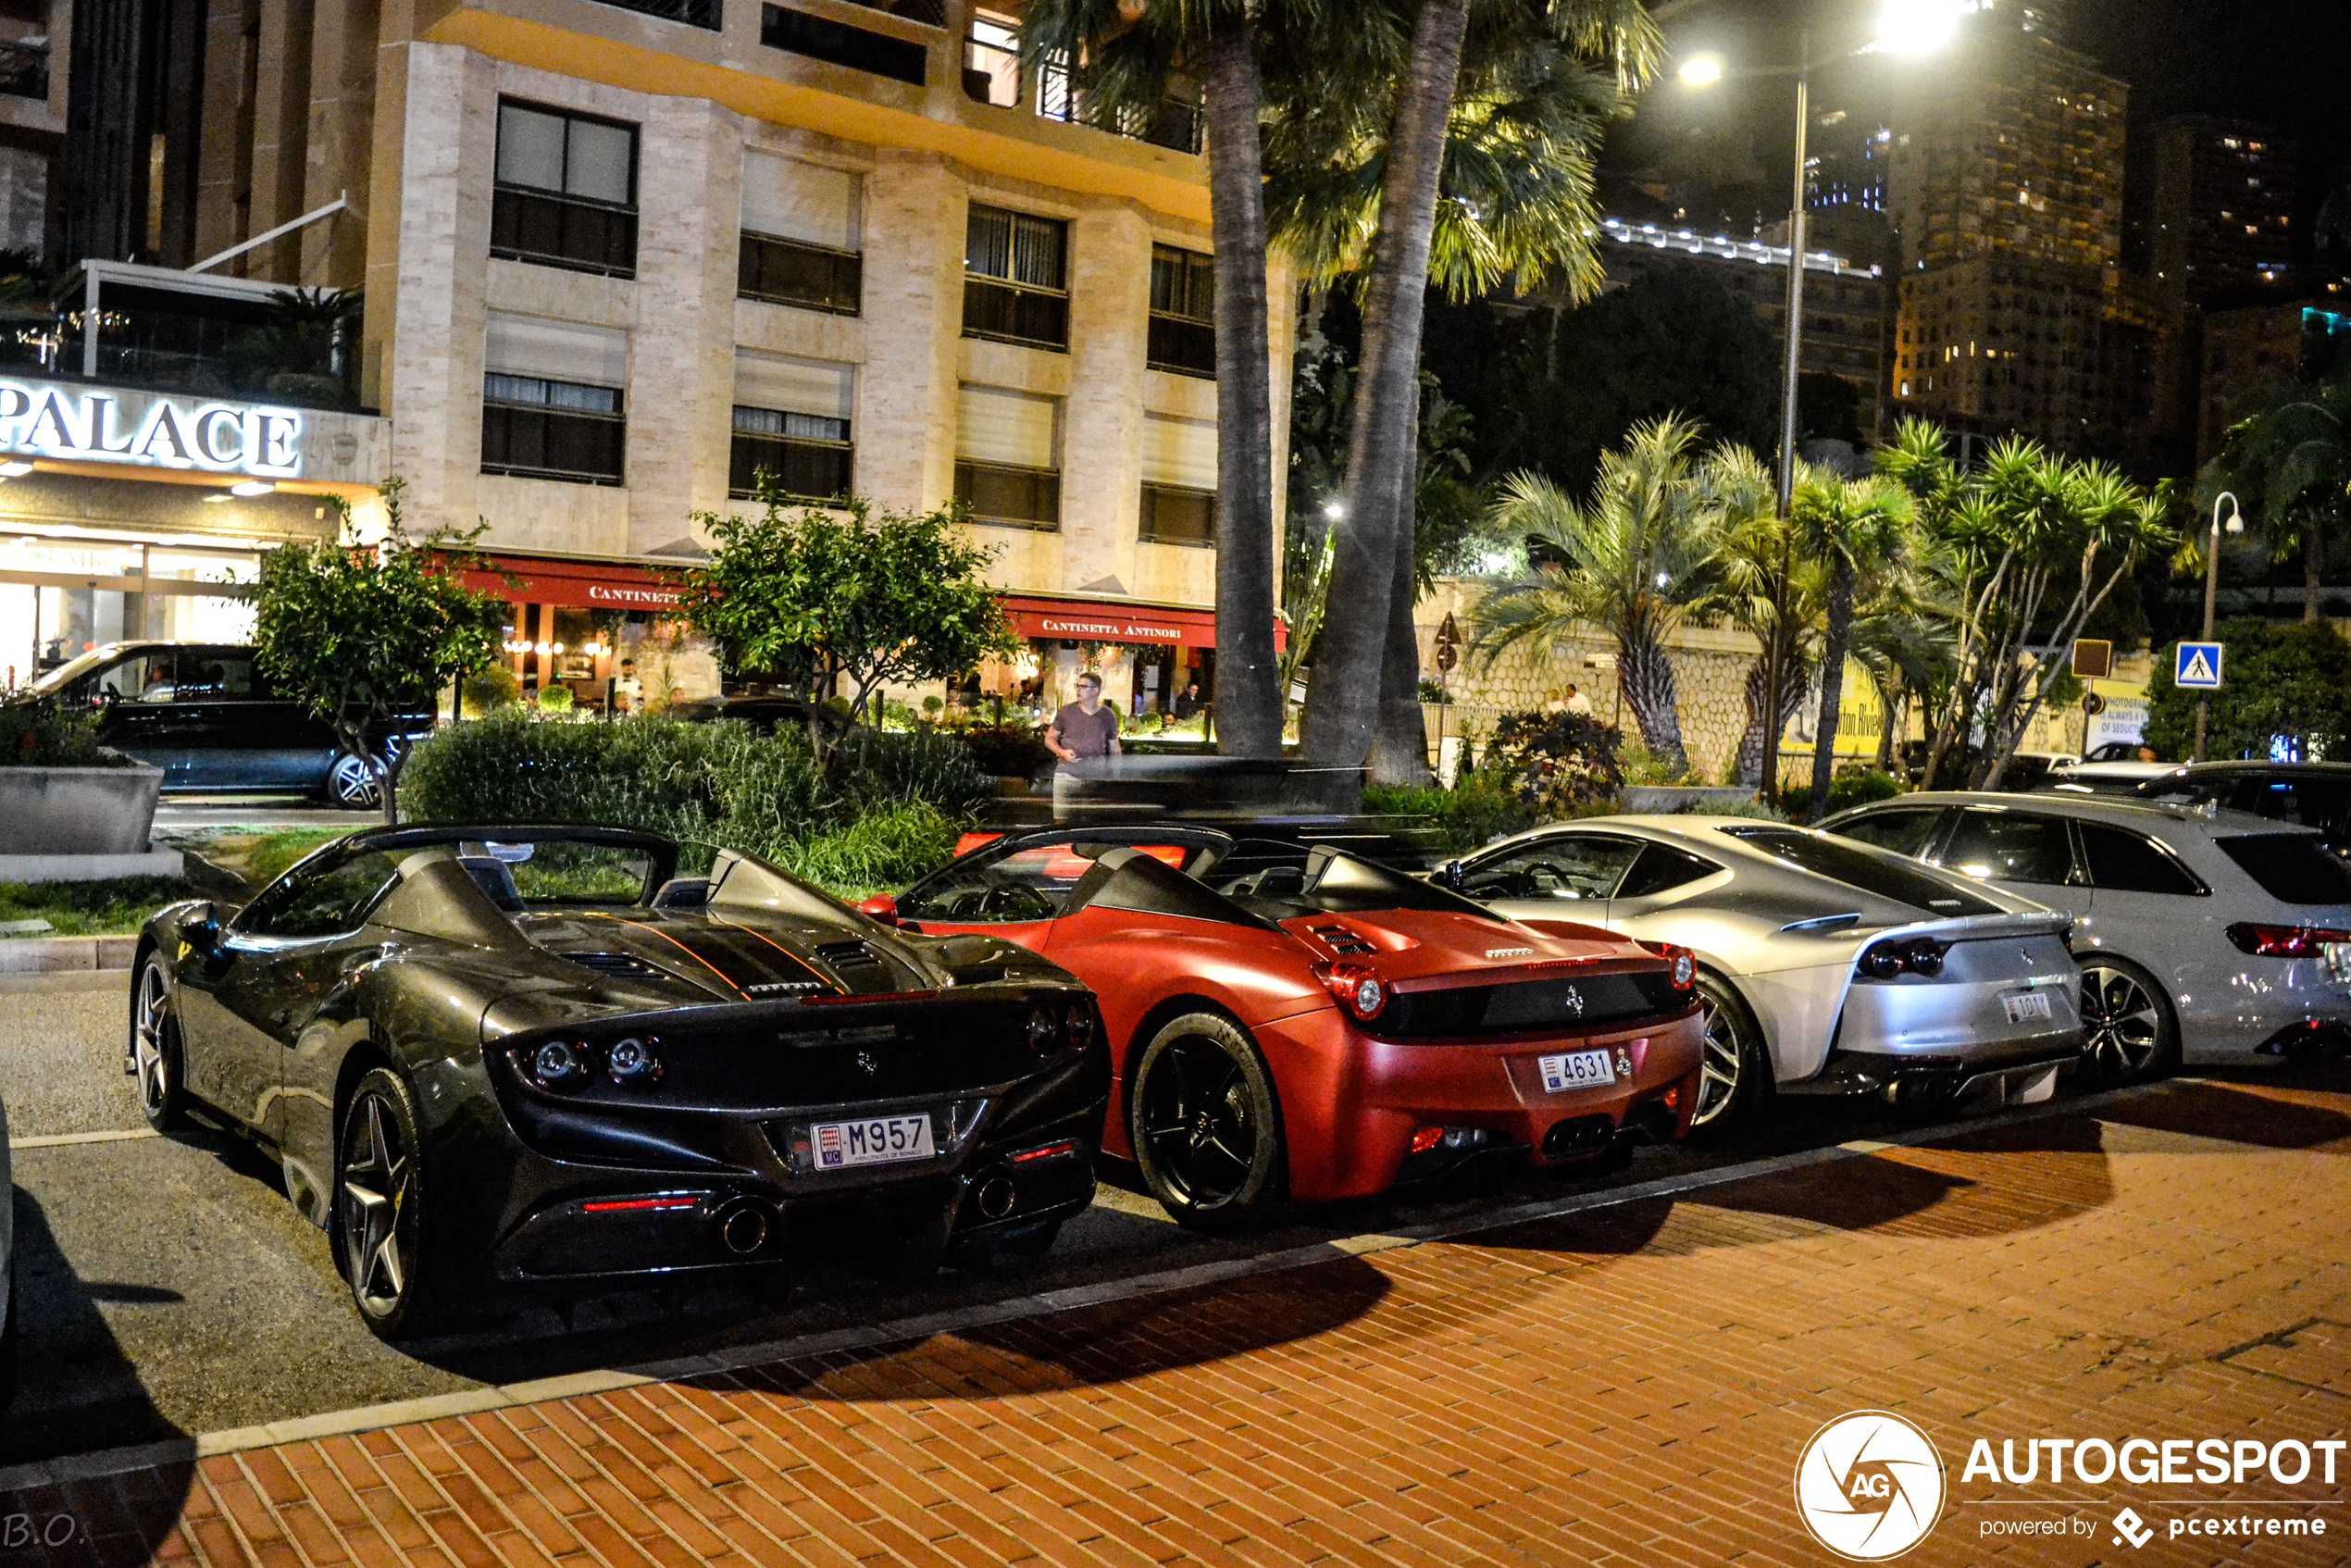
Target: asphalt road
(168, 1290)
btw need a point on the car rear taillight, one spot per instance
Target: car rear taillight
(1919, 955)
(1684, 966)
(1044, 1030)
(559, 1064)
(2284, 942)
(634, 1063)
(1360, 990)
(1082, 1020)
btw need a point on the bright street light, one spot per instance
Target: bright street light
(1334, 511)
(1919, 27)
(1701, 70)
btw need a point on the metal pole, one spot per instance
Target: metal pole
(1796, 271)
(2212, 593)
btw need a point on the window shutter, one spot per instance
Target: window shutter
(794, 386)
(1179, 452)
(800, 201)
(558, 351)
(999, 425)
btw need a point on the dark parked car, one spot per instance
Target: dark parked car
(2308, 794)
(204, 714)
(531, 1058)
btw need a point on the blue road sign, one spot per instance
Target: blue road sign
(2196, 667)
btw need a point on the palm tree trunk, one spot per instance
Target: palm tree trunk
(1384, 444)
(1249, 696)
(1399, 740)
(1645, 674)
(1750, 756)
(2314, 557)
(1887, 720)
(1840, 630)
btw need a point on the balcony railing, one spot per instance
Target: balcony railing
(693, 13)
(1182, 345)
(1010, 313)
(1010, 497)
(1175, 516)
(791, 272)
(554, 231)
(991, 75)
(24, 70)
(807, 470)
(930, 13)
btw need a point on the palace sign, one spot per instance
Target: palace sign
(150, 429)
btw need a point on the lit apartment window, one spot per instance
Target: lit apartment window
(1179, 481)
(1183, 328)
(1008, 457)
(1015, 271)
(800, 235)
(566, 190)
(792, 422)
(552, 403)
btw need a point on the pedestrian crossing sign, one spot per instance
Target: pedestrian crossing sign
(2196, 667)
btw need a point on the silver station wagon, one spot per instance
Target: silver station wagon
(1825, 966)
(2204, 934)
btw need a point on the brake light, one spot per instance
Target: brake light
(1920, 955)
(1426, 1139)
(636, 1205)
(1359, 990)
(1684, 966)
(971, 841)
(2284, 942)
(1050, 1151)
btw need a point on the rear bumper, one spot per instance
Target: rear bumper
(2015, 1072)
(1487, 1098)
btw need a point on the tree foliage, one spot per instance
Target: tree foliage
(363, 635)
(2278, 680)
(2288, 459)
(815, 599)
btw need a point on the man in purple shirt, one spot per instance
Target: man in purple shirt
(1082, 734)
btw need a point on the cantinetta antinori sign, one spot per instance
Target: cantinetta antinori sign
(150, 429)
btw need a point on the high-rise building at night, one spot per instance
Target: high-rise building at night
(2225, 198)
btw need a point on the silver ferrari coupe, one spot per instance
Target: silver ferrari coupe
(1826, 966)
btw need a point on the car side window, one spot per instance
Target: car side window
(1904, 832)
(1565, 867)
(325, 901)
(2009, 846)
(1661, 869)
(2123, 862)
(217, 674)
(143, 677)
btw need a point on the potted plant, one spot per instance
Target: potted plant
(62, 793)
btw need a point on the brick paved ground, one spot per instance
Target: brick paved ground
(1630, 1385)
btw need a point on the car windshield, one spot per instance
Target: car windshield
(1333, 882)
(73, 669)
(558, 872)
(2291, 867)
(1873, 871)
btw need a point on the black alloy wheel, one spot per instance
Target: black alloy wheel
(351, 783)
(2128, 1032)
(379, 1215)
(155, 1056)
(1735, 1074)
(1205, 1125)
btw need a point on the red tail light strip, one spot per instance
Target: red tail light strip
(636, 1205)
(1066, 1146)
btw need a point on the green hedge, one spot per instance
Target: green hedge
(890, 811)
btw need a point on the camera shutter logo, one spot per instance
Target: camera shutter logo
(1868, 1486)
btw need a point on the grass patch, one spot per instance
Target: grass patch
(260, 858)
(114, 908)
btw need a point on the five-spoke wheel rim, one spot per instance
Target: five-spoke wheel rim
(378, 1183)
(149, 1052)
(1198, 1122)
(1719, 1060)
(2122, 1023)
(353, 781)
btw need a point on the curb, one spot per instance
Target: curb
(65, 955)
(913, 1329)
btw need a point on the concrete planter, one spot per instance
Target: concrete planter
(77, 811)
(1661, 800)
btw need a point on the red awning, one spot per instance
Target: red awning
(1099, 620)
(578, 585)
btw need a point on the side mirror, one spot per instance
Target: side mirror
(204, 931)
(1452, 875)
(881, 908)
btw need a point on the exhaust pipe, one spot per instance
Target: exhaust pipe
(996, 1197)
(743, 1227)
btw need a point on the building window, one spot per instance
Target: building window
(792, 422)
(566, 190)
(1008, 458)
(1179, 481)
(1015, 286)
(1183, 325)
(800, 235)
(837, 43)
(551, 402)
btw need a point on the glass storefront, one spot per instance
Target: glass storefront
(128, 587)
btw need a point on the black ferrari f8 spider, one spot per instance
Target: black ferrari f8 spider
(509, 1058)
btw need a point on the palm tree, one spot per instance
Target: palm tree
(1627, 561)
(1857, 528)
(1759, 583)
(2290, 457)
(1127, 55)
(1492, 98)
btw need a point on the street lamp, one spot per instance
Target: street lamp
(2212, 592)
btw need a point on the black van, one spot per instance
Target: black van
(204, 714)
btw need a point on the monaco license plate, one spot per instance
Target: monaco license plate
(2026, 1006)
(878, 1140)
(1576, 1069)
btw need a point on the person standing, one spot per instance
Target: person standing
(1577, 702)
(1084, 735)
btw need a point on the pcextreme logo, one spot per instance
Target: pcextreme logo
(1868, 1486)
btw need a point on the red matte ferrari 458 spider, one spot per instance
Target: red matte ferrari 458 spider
(1300, 1022)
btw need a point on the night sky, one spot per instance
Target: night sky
(2287, 62)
